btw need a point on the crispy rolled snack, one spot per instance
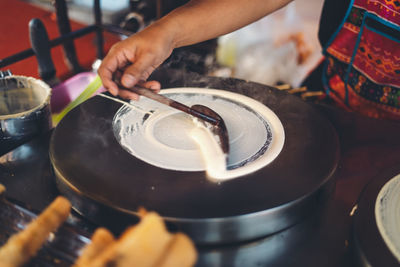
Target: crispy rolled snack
(140, 246)
(101, 239)
(23, 245)
(181, 252)
(2, 189)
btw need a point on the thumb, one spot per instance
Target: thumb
(140, 70)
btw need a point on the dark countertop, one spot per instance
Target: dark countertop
(369, 149)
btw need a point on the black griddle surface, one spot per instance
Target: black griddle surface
(86, 154)
(369, 147)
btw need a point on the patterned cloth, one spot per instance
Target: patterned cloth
(362, 70)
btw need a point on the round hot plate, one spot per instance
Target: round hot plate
(109, 162)
(376, 225)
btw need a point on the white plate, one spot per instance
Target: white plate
(387, 214)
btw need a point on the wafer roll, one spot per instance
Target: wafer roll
(22, 246)
(141, 245)
(2, 189)
(101, 239)
(181, 252)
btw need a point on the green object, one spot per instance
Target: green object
(86, 94)
(227, 52)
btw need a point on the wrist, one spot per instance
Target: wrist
(166, 30)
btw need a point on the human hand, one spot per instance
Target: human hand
(137, 56)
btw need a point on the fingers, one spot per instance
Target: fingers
(139, 70)
(118, 57)
(153, 85)
(138, 56)
(134, 74)
(106, 78)
(108, 66)
(128, 95)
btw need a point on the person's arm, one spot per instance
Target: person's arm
(194, 22)
(206, 19)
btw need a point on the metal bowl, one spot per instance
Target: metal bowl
(24, 110)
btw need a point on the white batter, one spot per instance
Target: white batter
(387, 214)
(169, 138)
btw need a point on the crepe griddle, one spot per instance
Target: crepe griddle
(107, 184)
(369, 247)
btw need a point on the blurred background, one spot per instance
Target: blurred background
(279, 49)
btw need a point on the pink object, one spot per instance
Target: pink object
(65, 92)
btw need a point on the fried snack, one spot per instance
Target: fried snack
(2, 189)
(101, 239)
(22, 246)
(181, 252)
(140, 246)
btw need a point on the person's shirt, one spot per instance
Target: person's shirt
(333, 13)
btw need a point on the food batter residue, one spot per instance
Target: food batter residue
(22, 95)
(168, 138)
(387, 214)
